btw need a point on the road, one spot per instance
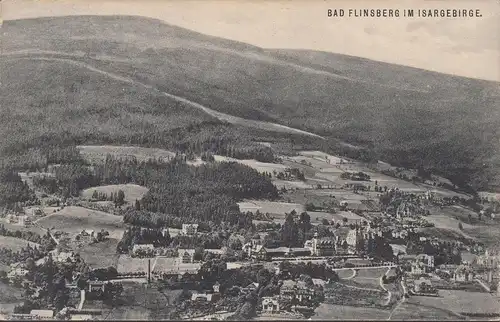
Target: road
(70, 58)
(82, 299)
(401, 301)
(381, 282)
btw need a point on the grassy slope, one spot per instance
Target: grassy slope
(445, 122)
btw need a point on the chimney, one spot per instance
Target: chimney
(149, 271)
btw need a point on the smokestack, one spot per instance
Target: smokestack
(149, 271)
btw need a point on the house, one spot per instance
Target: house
(423, 285)
(189, 229)
(263, 253)
(17, 269)
(270, 305)
(96, 286)
(417, 268)
(296, 290)
(42, 314)
(186, 255)
(209, 297)
(88, 233)
(143, 249)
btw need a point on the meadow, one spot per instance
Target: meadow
(132, 192)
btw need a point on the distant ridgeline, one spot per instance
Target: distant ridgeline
(173, 97)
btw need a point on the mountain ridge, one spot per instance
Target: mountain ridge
(420, 118)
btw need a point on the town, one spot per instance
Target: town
(328, 232)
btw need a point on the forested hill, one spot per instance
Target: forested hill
(409, 116)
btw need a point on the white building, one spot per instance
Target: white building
(270, 305)
(189, 229)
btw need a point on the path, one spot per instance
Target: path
(219, 115)
(400, 302)
(486, 287)
(354, 273)
(82, 299)
(381, 282)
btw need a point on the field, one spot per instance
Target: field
(259, 166)
(164, 264)
(139, 302)
(74, 219)
(98, 153)
(102, 254)
(15, 244)
(9, 294)
(412, 310)
(127, 264)
(343, 312)
(271, 207)
(132, 192)
(462, 301)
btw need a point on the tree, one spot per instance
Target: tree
(120, 198)
(137, 205)
(460, 226)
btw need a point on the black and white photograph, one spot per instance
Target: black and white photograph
(249, 160)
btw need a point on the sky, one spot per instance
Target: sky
(462, 46)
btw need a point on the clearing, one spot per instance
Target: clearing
(73, 219)
(254, 164)
(15, 244)
(132, 192)
(270, 207)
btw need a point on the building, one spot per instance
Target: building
(320, 247)
(96, 287)
(270, 305)
(189, 229)
(423, 285)
(488, 260)
(143, 250)
(296, 290)
(209, 297)
(427, 260)
(263, 253)
(352, 237)
(42, 314)
(186, 255)
(417, 268)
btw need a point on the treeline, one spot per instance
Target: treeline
(24, 234)
(13, 190)
(137, 235)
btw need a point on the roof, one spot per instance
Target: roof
(190, 225)
(143, 246)
(196, 296)
(190, 251)
(215, 251)
(423, 280)
(42, 313)
(326, 241)
(293, 284)
(277, 250)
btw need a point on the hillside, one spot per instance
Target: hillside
(100, 80)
